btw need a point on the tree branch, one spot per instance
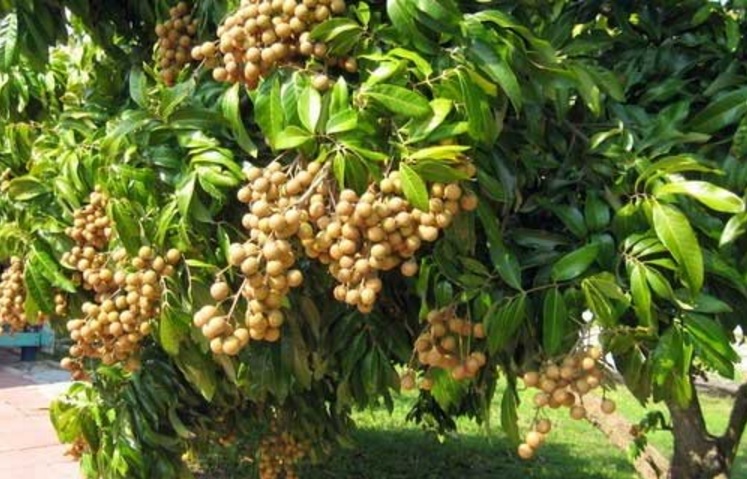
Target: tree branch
(737, 421)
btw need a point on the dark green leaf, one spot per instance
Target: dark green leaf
(575, 263)
(230, 106)
(503, 320)
(554, 321)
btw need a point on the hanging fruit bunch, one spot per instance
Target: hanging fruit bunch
(447, 342)
(297, 210)
(175, 41)
(563, 384)
(279, 452)
(262, 35)
(13, 296)
(126, 292)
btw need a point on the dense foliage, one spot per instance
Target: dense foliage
(604, 143)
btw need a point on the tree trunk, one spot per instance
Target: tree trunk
(697, 454)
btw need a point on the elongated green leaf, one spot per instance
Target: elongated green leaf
(572, 218)
(498, 70)
(735, 227)
(673, 164)
(707, 193)
(8, 40)
(399, 100)
(575, 263)
(604, 298)
(231, 108)
(309, 108)
(25, 188)
(554, 321)
(446, 152)
(503, 320)
(127, 226)
(509, 415)
(402, 15)
(447, 391)
(724, 111)
(596, 212)
(49, 266)
(138, 86)
(641, 295)
(674, 230)
(291, 137)
(659, 283)
(342, 121)
(38, 288)
(477, 110)
(503, 259)
(268, 108)
(414, 187)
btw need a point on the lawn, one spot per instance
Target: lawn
(388, 447)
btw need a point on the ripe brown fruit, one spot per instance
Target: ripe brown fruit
(608, 406)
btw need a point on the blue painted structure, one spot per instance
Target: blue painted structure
(28, 341)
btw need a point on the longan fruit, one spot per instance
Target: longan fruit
(525, 451)
(543, 426)
(531, 379)
(220, 291)
(578, 412)
(608, 406)
(534, 439)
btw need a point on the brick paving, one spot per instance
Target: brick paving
(29, 448)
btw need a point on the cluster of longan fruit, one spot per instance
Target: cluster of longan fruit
(563, 384)
(264, 34)
(265, 261)
(361, 236)
(278, 455)
(128, 297)
(175, 41)
(91, 226)
(13, 296)
(126, 292)
(446, 343)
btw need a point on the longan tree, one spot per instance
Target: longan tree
(252, 217)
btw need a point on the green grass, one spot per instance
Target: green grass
(388, 447)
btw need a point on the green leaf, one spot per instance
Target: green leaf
(342, 121)
(641, 295)
(481, 124)
(51, 269)
(575, 263)
(25, 188)
(291, 137)
(734, 228)
(571, 217)
(502, 321)
(604, 298)
(503, 259)
(414, 187)
(8, 40)
(402, 15)
(724, 111)
(268, 108)
(510, 416)
(447, 391)
(38, 288)
(445, 152)
(309, 108)
(126, 224)
(674, 230)
(554, 320)
(498, 70)
(596, 212)
(707, 193)
(198, 370)
(138, 87)
(173, 327)
(672, 164)
(231, 108)
(399, 100)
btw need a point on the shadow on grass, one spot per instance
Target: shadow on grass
(413, 454)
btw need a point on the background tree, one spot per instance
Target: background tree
(607, 140)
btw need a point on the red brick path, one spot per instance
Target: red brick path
(29, 448)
